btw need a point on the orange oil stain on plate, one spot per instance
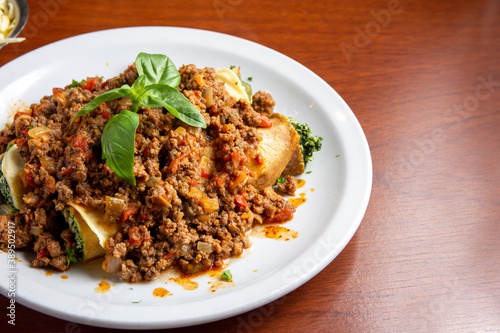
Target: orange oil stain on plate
(274, 231)
(17, 259)
(48, 273)
(185, 282)
(161, 292)
(280, 233)
(64, 277)
(219, 283)
(215, 285)
(300, 182)
(103, 287)
(298, 201)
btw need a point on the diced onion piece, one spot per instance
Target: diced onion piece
(161, 200)
(39, 132)
(210, 205)
(60, 99)
(246, 215)
(240, 179)
(180, 130)
(205, 247)
(125, 102)
(48, 163)
(20, 118)
(185, 250)
(35, 230)
(258, 218)
(111, 264)
(195, 193)
(203, 218)
(207, 163)
(152, 181)
(199, 79)
(208, 96)
(114, 207)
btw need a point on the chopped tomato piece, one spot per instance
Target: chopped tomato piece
(89, 84)
(42, 253)
(221, 178)
(81, 142)
(283, 215)
(240, 201)
(205, 174)
(259, 159)
(21, 113)
(66, 171)
(56, 91)
(20, 142)
(265, 122)
(128, 213)
(134, 236)
(174, 164)
(29, 171)
(105, 111)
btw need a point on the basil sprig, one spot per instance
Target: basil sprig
(155, 87)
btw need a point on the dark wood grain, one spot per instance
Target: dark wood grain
(426, 257)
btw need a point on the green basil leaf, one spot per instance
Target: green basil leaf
(157, 68)
(161, 95)
(136, 91)
(103, 98)
(226, 275)
(139, 85)
(118, 144)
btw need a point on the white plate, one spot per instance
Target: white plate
(337, 189)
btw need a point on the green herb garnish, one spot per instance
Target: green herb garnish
(249, 78)
(155, 87)
(75, 83)
(137, 302)
(10, 146)
(14, 210)
(71, 255)
(227, 276)
(308, 142)
(280, 180)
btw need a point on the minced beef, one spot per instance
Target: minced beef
(192, 205)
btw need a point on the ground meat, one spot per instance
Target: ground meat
(192, 205)
(288, 186)
(20, 235)
(49, 253)
(262, 102)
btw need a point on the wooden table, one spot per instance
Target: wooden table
(423, 78)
